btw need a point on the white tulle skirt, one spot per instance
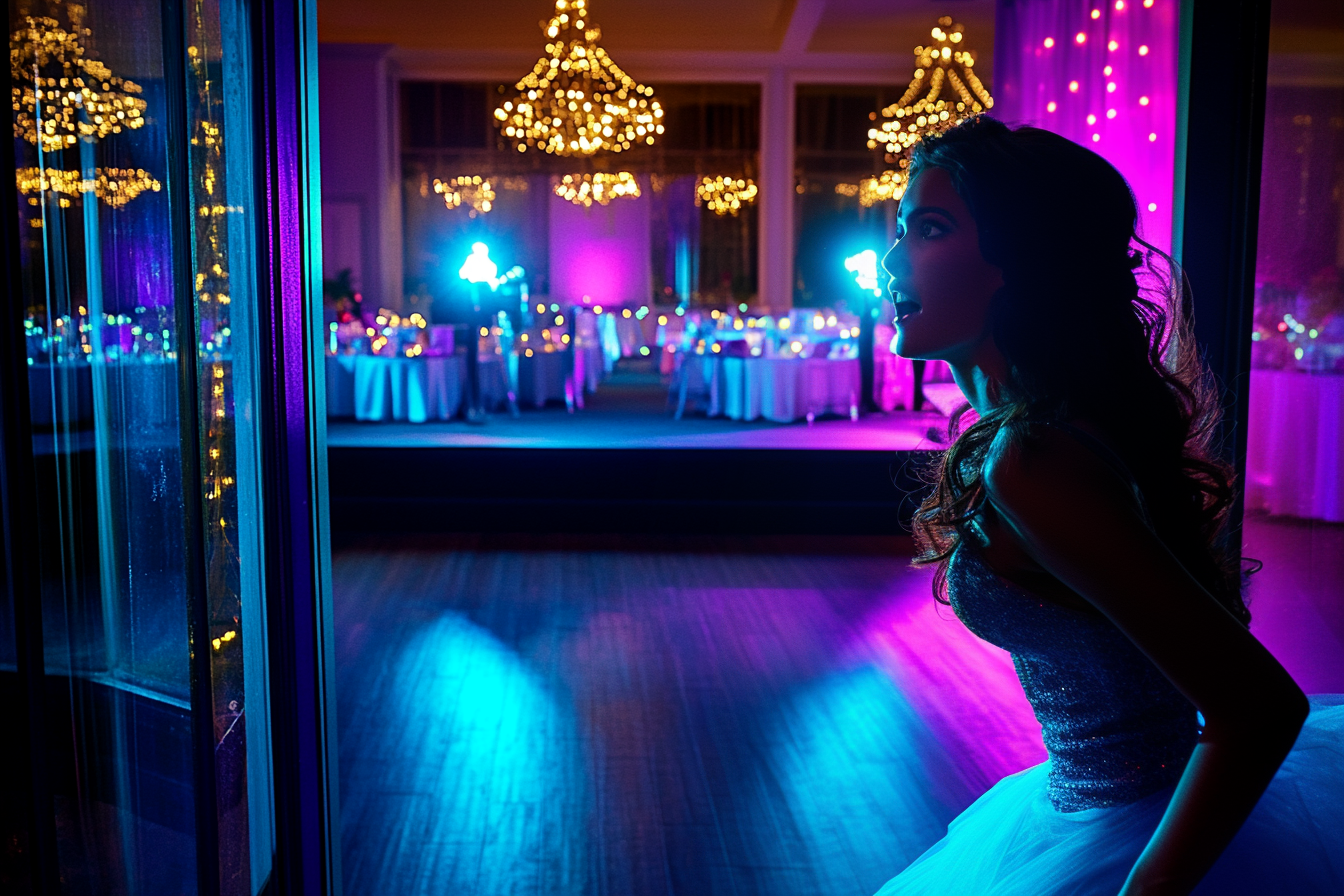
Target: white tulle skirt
(1012, 842)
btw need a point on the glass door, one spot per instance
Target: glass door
(134, 145)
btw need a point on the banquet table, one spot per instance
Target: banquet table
(781, 389)
(1294, 456)
(541, 377)
(630, 333)
(376, 387)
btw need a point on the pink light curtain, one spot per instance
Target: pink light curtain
(1104, 74)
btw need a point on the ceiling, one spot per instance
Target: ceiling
(512, 27)
(857, 26)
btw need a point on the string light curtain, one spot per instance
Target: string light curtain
(1103, 74)
(577, 101)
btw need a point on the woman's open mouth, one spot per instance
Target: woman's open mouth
(906, 309)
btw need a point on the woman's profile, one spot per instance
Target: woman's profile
(1080, 523)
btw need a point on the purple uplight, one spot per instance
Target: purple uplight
(600, 255)
(1119, 74)
(941, 668)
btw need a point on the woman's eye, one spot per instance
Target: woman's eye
(928, 229)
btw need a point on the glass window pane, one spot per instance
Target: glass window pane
(97, 270)
(116, 467)
(1294, 468)
(219, 116)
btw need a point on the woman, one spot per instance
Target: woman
(1079, 523)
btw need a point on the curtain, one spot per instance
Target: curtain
(1103, 74)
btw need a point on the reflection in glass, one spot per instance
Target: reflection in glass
(1297, 341)
(92, 102)
(218, 110)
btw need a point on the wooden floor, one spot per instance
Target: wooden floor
(523, 720)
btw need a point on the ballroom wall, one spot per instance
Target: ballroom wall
(361, 199)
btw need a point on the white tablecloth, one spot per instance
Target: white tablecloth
(541, 378)
(1294, 457)
(629, 333)
(340, 385)
(778, 389)
(374, 387)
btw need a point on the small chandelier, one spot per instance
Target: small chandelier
(576, 101)
(61, 95)
(885, 187)
(477, 192)
(78, 96)
(585, 189)
(943, 92)
(725, 195)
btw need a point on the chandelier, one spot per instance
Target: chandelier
(725, 195)
(885, 187)
(60, 95)
(75, 84)
(477, 192)
(576, 101)
(943, 92)
(585, 189)
(115, 186)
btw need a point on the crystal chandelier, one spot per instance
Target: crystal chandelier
(725, 195)
(79, 97)
(585, 189)
(115, 186)
(60, 96)
(576, 101)
(477, 192)
(885, 187)
(943, 92)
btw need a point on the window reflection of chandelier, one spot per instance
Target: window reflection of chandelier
(943, 92)
(576, 101)
(115, 186)
(725, 195)
(61, 95)
(585, 189)
(477, 192)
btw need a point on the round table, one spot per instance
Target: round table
(378, 387)
(781, 389)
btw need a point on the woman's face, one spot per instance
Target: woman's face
(940, 283)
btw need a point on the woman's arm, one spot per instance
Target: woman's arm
(1077, 518)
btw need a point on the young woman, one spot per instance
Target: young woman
(1079, 523)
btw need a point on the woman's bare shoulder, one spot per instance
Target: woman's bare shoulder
(1031, 463)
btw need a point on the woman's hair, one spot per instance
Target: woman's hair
(1092, 322)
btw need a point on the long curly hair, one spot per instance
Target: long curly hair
(1094, 323)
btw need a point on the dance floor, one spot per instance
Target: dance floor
(530, 718)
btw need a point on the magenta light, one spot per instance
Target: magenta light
(1112, 88)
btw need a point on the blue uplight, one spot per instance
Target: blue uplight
(478, 268)
(864, 268)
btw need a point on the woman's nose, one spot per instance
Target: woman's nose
(892, 259)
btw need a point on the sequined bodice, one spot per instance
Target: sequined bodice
(1115, 728)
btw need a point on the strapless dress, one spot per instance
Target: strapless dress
(1118, 736)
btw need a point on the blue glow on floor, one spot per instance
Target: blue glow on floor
(481, 754)
(850, 748)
